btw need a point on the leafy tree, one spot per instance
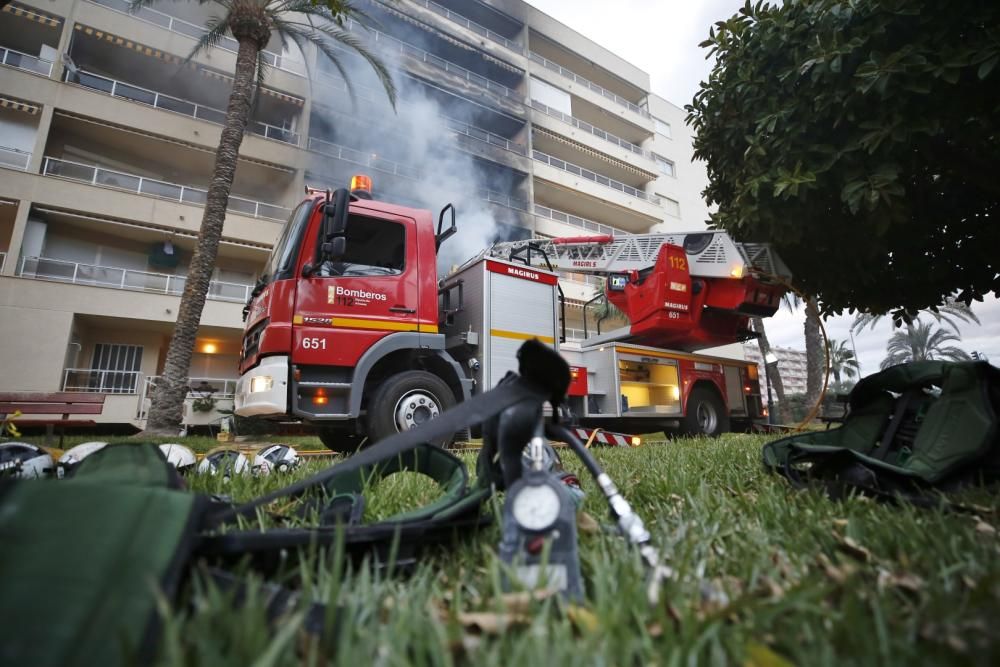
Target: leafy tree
(842, 361)
(862, 139)
(947, 313)
(922, 343)
(252, 23)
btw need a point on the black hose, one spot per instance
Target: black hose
(563, 434)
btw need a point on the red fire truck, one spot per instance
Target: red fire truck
(350, 329)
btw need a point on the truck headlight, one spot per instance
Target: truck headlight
(261, 383)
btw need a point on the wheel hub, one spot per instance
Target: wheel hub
(708, 420)
(415, 408)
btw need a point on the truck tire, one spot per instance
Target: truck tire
(705, 414)
(340, 440)
(406, 401)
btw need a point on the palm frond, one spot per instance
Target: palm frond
(216, 28)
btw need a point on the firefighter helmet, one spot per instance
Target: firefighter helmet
(281, 458)
(24, 461)
(224, 462)
(179, 456)
(72, 457)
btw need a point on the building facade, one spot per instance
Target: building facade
(107, 140)
(791, 366)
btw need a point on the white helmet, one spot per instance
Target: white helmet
(179, 456)
(261, 466)
(225, 462)
(72, 457)
(24, 461)
(281, 457)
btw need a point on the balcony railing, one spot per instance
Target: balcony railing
(597, 178)
(389, 44)
(101, 381)
(388, 166)
(577, 221)
(14, 158)
(511, 44)
(23, 61)
(151, 187)
(59, 270)
(173, 24)
(603, 92)
(587, 127)
(173, 104)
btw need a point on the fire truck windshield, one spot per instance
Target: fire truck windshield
(374, 248)
(281, 265)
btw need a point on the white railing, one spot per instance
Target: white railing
(77, 273)
(603, 92)
(181, 27)
(98, 381)
(595, 177)
(402, 170)
(577, 221)
(587, 127)
(85, 173)
(390, 44)
(511, 44)
(23, 61)
(176, 105)
(14, 157)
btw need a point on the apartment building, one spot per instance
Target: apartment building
(791, 365)
(107, 138)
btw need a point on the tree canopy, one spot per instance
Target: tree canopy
(862, 139)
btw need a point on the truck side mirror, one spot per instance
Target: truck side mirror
(332, 243)
(338, 247)
(442, 236)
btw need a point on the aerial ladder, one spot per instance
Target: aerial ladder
(683, 291)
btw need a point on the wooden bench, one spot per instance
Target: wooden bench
(60, 403)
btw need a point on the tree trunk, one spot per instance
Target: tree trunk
(166, 410)
(815, 355)
(784, 413)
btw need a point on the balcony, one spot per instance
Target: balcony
(595, 177)
(396, 169)
(483, 31)
(23, 61)
(181, 27)
(149, 187)
(576, 221)
(603, 92)
(391, 45)
(587, 127)
(14, 158)
(176, 105)
(76, 273)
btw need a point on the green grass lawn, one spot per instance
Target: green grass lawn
(763, 575)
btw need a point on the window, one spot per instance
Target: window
(671, 206)
(550, 96)
(286, 250)
(662, 127)
(665, 166)
(115, 368)
(374, 248)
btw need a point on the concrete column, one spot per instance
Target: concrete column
(16, 238)
(41, 140)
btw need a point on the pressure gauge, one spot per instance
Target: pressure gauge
(536, 507)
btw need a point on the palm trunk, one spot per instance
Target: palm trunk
(815, 355)
(166, 410)
(772, 374)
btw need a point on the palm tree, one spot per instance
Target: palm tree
(842, 360)
(947, 313)
(921, 342)
(252, 23)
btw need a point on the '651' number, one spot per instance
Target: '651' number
(314, 343)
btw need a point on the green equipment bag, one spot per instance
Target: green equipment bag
(83, 561)
(910, 429)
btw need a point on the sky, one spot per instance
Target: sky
(661, 37)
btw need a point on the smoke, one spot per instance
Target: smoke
(412, 155)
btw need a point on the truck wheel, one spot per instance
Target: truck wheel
(340, 440)
(406, 401)
(705, 414)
